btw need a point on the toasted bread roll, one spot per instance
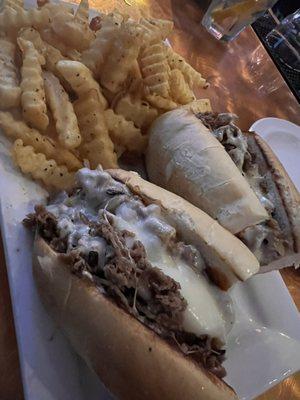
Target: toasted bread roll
(120, 265)
(131, 360)
(184, 157)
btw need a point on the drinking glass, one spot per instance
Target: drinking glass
(225, 19)
(284, 41)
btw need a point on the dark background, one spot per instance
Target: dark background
(262, 26)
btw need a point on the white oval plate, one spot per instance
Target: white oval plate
(284, 139)
(263, 348)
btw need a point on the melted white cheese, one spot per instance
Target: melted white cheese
(204, 314)
(208, 309)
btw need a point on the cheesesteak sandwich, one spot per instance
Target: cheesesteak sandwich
(121, 265)
(233, 176)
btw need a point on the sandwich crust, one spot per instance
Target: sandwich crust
(288, 192)
(175, 130)
(132, 361)
(227, 256)
(183, 157)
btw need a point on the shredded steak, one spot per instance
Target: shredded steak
(141, 289)
(213, 120)
(266, 240)
(45, 224)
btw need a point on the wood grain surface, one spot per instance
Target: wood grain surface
(243, 80)
(10, 377)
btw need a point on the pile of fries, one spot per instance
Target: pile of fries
(74, 91)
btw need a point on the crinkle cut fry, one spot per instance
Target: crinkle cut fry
(100, 151)
(95, 55)
(11, 21)
(155, 70)
(52, 39)
(51, 54)
(14, 129)
(33, 99)
(199, 106)
(10, 92)
(36, 164)
(123, 53)
(156, 29)
(124, 133)
(179, 88)
(63, 112)
(80, 79)
(138, 111)
(97, 145)
(82, 13)
(160, 102)
(14, 4)
(193, 77)
(55, 8)
(71, 31)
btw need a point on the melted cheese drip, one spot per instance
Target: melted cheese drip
(208, 308)
(204, 313)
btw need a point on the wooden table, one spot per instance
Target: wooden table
(243, 80)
